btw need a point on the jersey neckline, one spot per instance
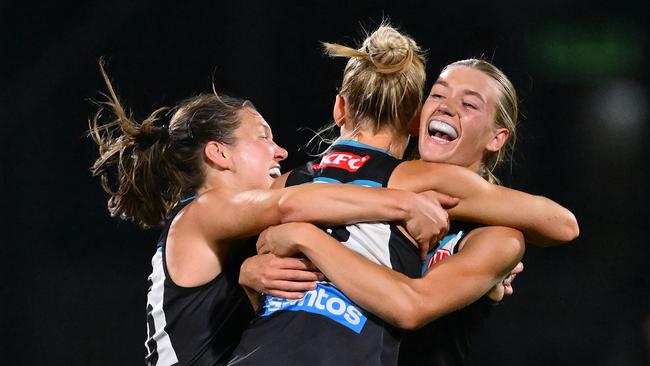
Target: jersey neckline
(362, 145)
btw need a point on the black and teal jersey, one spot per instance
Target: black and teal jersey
(325, 327)
(194, 325)
(446, 341)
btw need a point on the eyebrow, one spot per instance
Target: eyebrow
(465, 91)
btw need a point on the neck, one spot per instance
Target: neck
(219, 180)
(475, 167)
(394, 143)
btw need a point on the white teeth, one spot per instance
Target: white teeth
(275, 172)
(446, 128)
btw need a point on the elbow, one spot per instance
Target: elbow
(408, 315)
(571, 230)
(408, 323)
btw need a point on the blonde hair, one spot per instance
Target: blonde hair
(507, 112)
(383, 81)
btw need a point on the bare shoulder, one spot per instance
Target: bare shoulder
(191, 257)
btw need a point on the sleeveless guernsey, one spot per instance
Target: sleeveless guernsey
(325, 327)
(194, 325)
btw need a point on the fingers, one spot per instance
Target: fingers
(260, 245)
(508, 290)
(287, 289)
(424, 251)
(296, 275)
(293, 263)
(446, 201)
(285, 294)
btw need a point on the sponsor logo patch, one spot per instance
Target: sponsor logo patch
(438, 255)
(445, 249)
(342, 160)
(325, 300)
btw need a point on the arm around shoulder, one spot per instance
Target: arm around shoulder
(544, 223)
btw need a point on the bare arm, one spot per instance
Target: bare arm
(221, 216)
(544, 222)
(284, 277)
(488, 256)
(200, 236)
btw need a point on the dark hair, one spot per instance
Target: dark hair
(157, 162)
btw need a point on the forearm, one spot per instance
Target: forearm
(410, 303)
(330, 204)
(542, 221)
(248, 213)
(386, 293)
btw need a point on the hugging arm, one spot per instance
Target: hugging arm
(488, 255)
(222, 216)
(542, 221)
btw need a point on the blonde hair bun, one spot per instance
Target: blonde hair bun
(383, 80)
(388, 50)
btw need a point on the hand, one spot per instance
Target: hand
(288, 278)
(504, 288)
(428, 222)
(278, 240)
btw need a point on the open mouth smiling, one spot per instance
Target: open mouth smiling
(275, 172)
(442, 131)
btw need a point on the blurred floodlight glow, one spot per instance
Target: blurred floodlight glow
(621, 105)
(585, 52)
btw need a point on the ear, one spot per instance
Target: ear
(217, 154)
(414, 125)
(498, 140)
(339, 110)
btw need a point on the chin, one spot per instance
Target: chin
(435, 154)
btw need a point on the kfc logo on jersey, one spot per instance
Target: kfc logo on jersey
(342, 160)
(446, 248)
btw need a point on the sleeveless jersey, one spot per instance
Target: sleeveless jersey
(446, 341)
(194, 325)
(325, 327)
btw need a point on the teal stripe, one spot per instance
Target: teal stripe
(359, 182)
(364, 182)
(188, 199)
(361, 145)
(326, 180)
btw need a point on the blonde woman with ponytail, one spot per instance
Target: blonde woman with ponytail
(352, 318)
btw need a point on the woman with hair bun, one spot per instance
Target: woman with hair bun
(202, 173)
(350, 319)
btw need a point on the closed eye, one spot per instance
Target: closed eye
(469, 105)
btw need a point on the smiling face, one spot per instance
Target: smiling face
(457, 121)
(255, 157)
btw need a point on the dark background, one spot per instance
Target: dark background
(73, 283)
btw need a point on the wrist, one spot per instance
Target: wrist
(406, 202)
(243, 273)
(299, 236)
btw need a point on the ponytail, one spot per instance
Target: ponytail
(147, 167)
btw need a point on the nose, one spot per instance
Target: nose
(445, 108)
(280, 153)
